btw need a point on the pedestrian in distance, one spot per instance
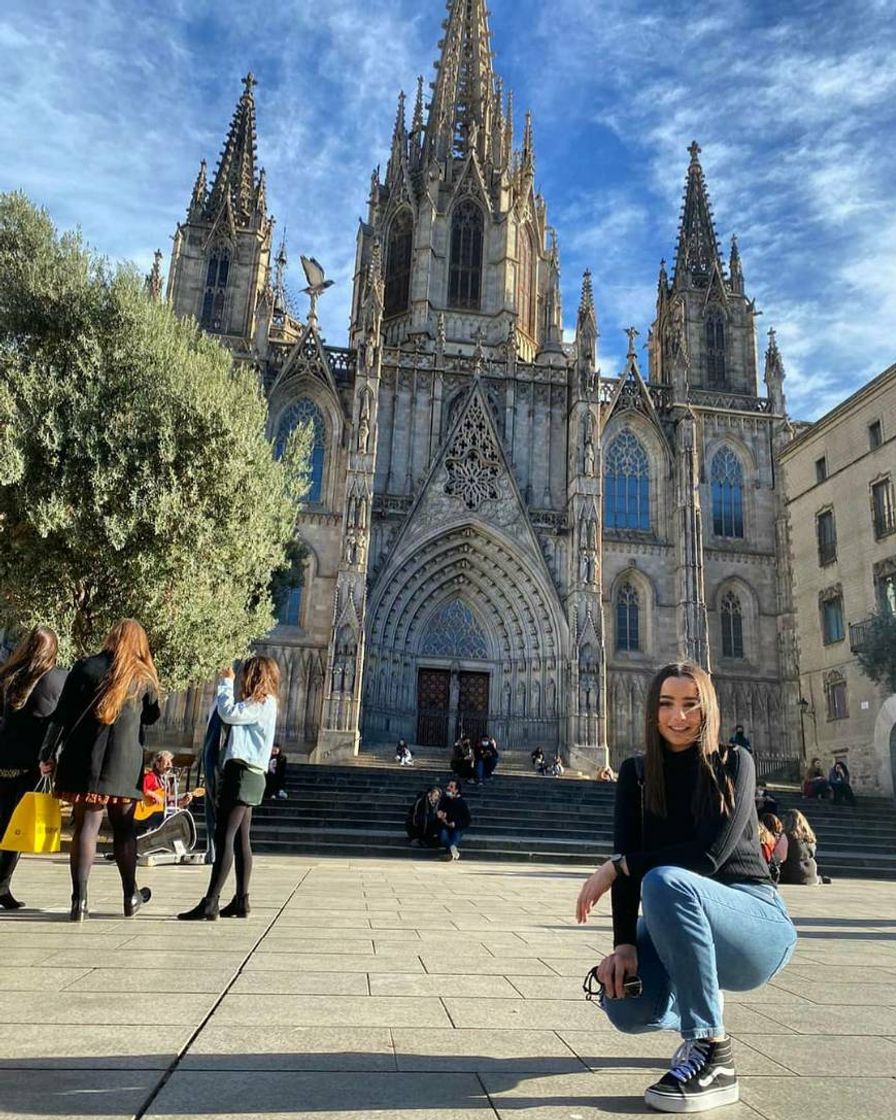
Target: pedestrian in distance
(30, 686)
(687, 850)
(539, 764)
(403, 754)
(94, 749)
(838, 777)
(454, 818)
(422, 823)
(275, 779)
(739, 739)
(815, 783)
(253, 722)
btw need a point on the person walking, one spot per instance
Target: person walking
(30, 685)
(687, 850)
(95, 750)
(253, 722)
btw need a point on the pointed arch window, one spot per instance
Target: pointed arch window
(627, 484)
(525, 303)
(399, 249)
(727, 479)
(732, 626)
(213, 300)
(465, 268)
(628, 619)
(305, 411)
(289, 609)
(714, 325)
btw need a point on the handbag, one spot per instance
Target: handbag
(36, 823)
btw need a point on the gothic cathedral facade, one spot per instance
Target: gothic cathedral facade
(499, 537)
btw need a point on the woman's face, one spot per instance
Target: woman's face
(680, 716)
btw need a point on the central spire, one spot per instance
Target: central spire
(697, 253)
(464, 98)
(235, 177)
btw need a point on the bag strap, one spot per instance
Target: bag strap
(639, 774)
(60, 741)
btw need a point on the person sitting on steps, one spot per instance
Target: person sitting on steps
(838, 777)
(538, 761)
(403, 755)
(454, 817)
(275, 779)
(421, 824)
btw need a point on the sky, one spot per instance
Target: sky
(109, 105)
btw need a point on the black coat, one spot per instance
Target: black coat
(800, 868)
(97, 757)
(22, 732)
(457, 813)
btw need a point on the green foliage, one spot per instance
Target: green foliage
(877, 653)
(135, 476)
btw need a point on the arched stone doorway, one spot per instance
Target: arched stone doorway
(464, 633)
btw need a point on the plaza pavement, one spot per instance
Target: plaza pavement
(401, 989)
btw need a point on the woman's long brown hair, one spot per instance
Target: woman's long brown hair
(796, 825)
(132, 669)
(714, 790)
(33, 657)
(261, 678)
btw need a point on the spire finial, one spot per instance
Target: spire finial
(417, 122)
(154, 278)
(586, 303)
(695, 151)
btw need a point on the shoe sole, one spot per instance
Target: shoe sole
(712, 1098)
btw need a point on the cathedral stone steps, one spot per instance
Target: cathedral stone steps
(359, 810)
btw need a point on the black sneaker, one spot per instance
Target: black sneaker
(702, 1077)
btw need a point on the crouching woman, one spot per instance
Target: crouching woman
(687, 851)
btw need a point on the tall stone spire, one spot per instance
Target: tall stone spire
(463, 102)
(235, 178)
(774, 375)
(586, 326)
(697, 253)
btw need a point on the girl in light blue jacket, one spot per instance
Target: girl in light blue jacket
(253, 722)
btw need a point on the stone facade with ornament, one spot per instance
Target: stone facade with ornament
(500, 539)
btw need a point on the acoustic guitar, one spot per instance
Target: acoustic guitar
(149, 806)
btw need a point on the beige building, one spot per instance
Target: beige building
(838, 478)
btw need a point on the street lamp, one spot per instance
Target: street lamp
(804, 708)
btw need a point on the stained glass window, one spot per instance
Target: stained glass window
(465, 271)
(727, 478)
(302, 412)
(289, 609)
(453, 631)
(526, 285)
(732, 626)
(626, 484)
(399, 248)
(628, 619)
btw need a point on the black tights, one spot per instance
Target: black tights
(87, 820)
(232, 845)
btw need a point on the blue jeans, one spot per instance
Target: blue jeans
(695, 937)
(450, 837)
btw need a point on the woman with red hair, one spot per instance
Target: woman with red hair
(107, 701)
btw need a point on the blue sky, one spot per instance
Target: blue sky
(110, 105)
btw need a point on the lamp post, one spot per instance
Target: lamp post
(804, 707)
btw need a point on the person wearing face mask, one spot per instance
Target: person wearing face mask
(454, 817)
(687, 852)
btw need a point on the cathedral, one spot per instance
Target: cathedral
(499, 537)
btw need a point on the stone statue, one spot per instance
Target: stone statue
(589, 445)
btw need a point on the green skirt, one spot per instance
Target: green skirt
(240, 785)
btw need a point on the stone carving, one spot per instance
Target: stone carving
(453, 631)
(473, 461)
(589, 444)
(364, 423)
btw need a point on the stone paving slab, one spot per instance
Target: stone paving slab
(404, 989)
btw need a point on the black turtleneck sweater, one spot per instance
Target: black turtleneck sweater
(725, 848)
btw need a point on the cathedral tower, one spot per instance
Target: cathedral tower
(221, 259)
(703, 315)
(465, 236)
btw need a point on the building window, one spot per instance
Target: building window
(835, 695)
(399, 250)
(886, 592)
(305, 411)
(875, 435)
(727, 478)
(832, 619)
(465, 270)
(827, 537)
(525, 308)
(732, 626)
(289, 609)
(627, 484)
(882, 509)
(715, 347)
(821, 469)
(215, 291)
(628, 633)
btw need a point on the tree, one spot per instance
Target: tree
(877, 652)
(135, 476)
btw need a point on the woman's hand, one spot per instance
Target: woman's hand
(227, 673)
(613, 970)
(593, 888)
(47, 767)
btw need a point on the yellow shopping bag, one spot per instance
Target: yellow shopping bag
(35, 826)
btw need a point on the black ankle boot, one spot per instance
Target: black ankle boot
(78, 911)
(9, 903)
(206, 911)
(238, 907)
(136, 900)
